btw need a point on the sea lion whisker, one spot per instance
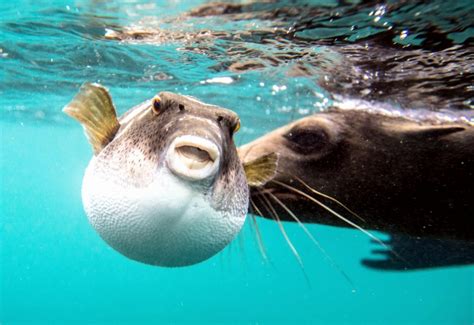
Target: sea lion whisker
(370, 235)
(258, 234)
(275, 217)
(330, 198)
(325, 196)
(314, 240)
(269, 207)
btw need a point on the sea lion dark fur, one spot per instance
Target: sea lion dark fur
(402, 176)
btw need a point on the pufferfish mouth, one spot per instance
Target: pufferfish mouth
(193, 157)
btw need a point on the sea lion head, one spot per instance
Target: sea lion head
(306, 142)
(167, 187)
(386, 166)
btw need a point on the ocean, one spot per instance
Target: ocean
(54, 267)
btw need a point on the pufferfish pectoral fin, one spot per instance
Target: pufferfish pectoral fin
(93, 108)
(261, 170)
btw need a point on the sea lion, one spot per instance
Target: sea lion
(165, 186)
(396, 172)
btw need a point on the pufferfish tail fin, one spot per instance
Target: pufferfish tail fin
(94, 109)
(261, 170)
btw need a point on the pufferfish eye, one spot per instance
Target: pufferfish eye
(156, 105)
(236, 127)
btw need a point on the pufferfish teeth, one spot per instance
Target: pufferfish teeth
(194, 161)
(193, 157)
(194, 153)
(195, 146)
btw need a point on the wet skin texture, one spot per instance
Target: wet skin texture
(400, 176)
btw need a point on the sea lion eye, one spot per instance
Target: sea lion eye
(307, 140)
(156, 106)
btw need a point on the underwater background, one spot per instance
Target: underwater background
(54, 268)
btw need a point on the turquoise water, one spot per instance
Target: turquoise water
(55, 268)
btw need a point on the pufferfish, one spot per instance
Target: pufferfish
(165, 185)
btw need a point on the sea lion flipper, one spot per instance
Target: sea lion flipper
(94, 109)
(420, 253)
(261, 170)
